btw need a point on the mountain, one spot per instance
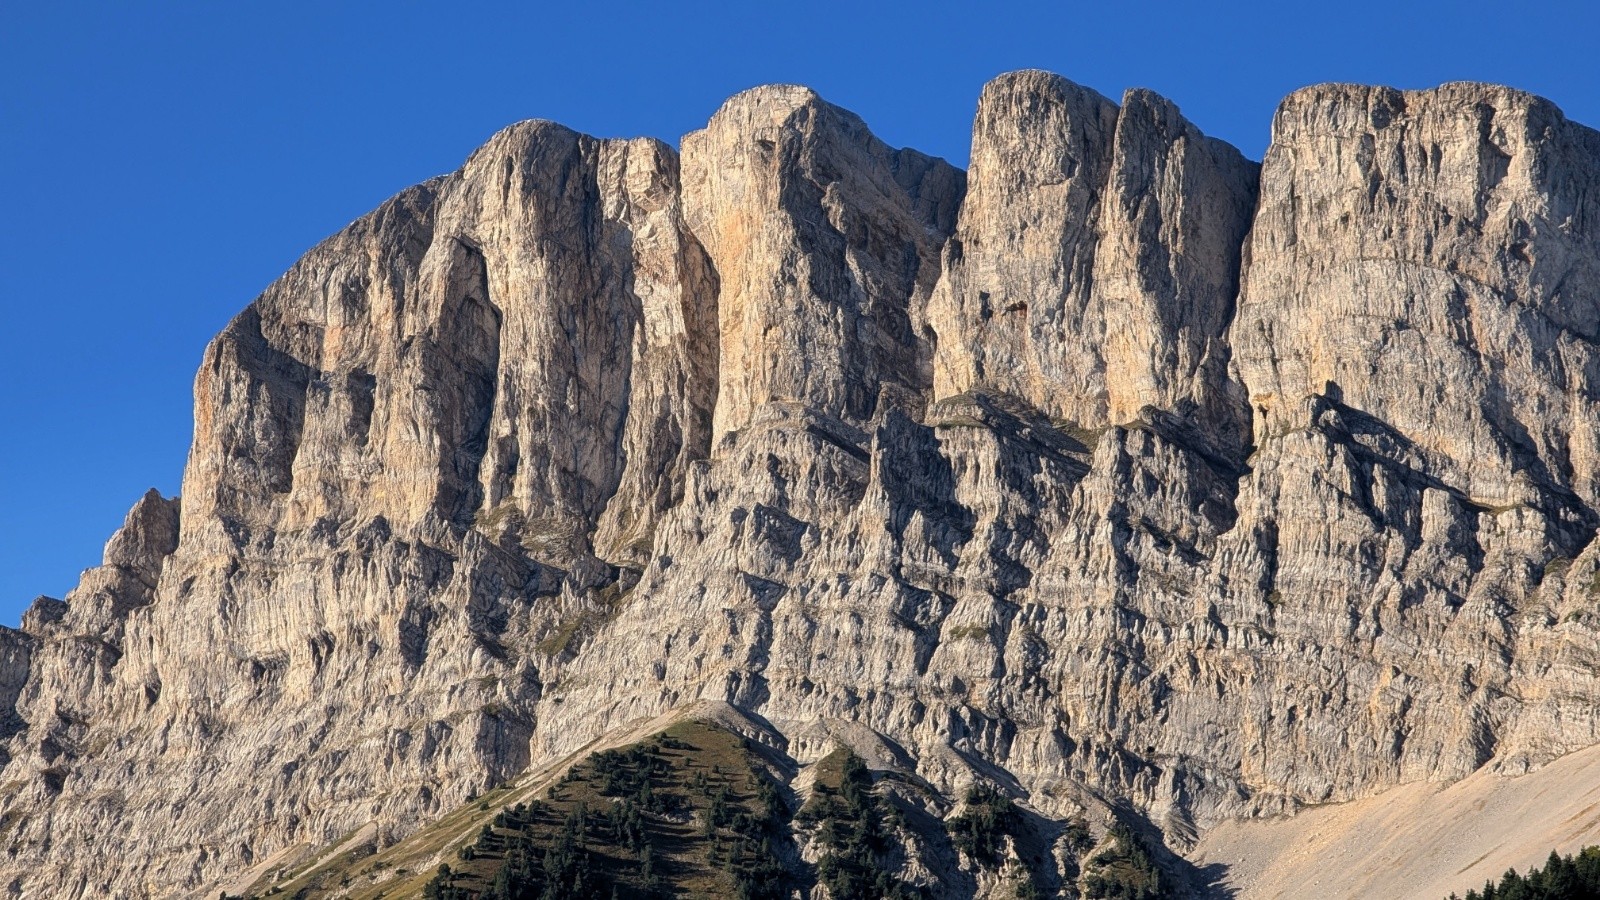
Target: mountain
(1115, 495)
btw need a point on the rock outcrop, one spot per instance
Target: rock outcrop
(826, 243)
(1118, 472)
(1096, 263)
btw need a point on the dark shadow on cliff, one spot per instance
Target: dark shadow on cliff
(1211, 882)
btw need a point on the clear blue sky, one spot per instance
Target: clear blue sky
(163, 165)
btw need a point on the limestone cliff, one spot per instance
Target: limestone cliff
(1122, 473)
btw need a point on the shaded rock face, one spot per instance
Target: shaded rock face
(1085, 472)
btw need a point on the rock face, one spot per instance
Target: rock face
(1085, 473)
(827, 245)
(1096, 263)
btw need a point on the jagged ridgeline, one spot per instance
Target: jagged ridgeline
(1044, 529)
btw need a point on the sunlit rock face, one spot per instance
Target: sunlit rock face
(1096, 263)
(1118, 470)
